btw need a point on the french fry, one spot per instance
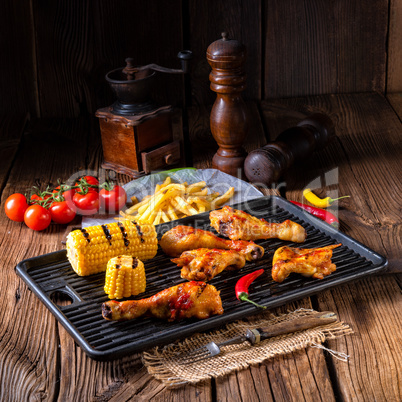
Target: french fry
(193, 188)
(138, 205)
(225, 197)
(167, 181)
(171, 201)
(157, 219)
(180, 205)
(164, 216)
(171, 213)
(203, 192)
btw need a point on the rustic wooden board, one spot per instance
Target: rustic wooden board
(19, 92)
(78, 42)
(42, 359)
(11, 132)
(395, 100)
(30, 336)
(373, 308)
(367, 153)
(206, 22)
(294, 48)
(394, 65)
(314, 47)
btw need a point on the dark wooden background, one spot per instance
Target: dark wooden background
(55, 53)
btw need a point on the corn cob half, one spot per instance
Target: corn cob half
(125, 277)
(89, 249)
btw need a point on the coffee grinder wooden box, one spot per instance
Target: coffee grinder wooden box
(137, 134)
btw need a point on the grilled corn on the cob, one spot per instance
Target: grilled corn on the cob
(89, 249)
(125, 277)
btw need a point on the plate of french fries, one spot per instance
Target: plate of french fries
(166, 196)
(171, 201)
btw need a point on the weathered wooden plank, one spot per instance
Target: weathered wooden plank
(11, 131)
(366, 154)
(395, 100)
(394, 50)
(373, 308)
(303, 372)
(207, 20)
(140, 386)
(28, 357)
(38, 359)
(28, 333)
(299, 375)
(363, 161)
(18, 70)
(79, 42)
(314, 48)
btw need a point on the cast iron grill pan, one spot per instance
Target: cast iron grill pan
(106, 340)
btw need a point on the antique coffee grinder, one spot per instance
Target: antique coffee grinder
(228, 119)
(137, 134)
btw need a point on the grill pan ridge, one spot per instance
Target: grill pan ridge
(106, 340)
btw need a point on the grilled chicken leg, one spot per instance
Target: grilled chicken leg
(190, 299)
(237, 224)
(203, 264)
(315, 262)
(182, 238)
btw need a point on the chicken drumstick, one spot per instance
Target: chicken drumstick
(237, 224)
(190, 299)
(182, 238)
(203, 264)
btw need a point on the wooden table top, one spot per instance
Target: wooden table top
(39, 360)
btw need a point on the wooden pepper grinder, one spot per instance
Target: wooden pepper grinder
(267, 164)
(228, 118)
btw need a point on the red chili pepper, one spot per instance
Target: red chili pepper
(242, 285)
(319, 213)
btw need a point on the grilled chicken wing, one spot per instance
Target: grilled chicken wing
(237, 224)
(190, 299)
(182, 238)
(315, 262)
(203, 264)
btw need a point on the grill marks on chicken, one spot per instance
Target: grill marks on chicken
(204, 264)
(182, 238)
(187, 300)
(314, 262)
(237, 224)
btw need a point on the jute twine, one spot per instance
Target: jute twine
(171, 366)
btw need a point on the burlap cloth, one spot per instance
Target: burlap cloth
(170, 365)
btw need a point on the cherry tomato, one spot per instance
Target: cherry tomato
(37, 197)
(15, 207)
(90, 180)
(67, 194)
(112, 200)
(87, 204)
(61, 212)
(37, 218)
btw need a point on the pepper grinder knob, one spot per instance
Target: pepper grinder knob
(267, 164)
(229, 117)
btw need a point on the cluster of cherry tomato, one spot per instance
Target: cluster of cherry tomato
(85, 197)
